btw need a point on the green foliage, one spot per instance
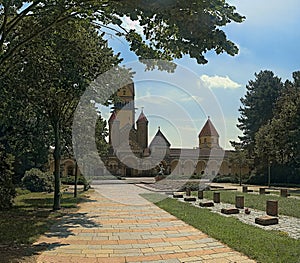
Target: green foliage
(35, 180)
(170, 29)
(226, 179)
(7, 189)
(258, 104)
(70, 180)
(278, 140)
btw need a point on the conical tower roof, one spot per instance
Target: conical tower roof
(113, 116)
(142, 118)
(208, 129)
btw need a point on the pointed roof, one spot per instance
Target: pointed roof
(113, 116)
(160, 140)
(142, 118)
(208, 129)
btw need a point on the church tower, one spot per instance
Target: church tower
(142, 131)
(208, 136)
(124, 108)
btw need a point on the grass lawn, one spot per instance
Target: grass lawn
(260, 245)
(30, 217)
(286, 206)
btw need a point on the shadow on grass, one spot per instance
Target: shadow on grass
(32, 217)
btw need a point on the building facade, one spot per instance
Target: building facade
(131, 155)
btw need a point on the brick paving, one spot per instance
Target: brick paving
(117, 225)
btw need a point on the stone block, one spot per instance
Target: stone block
(239, 201)
(262, 190)
(272, 208)
(229, 211)
(284, 193)
(217, 197)
(189, 199)
(188, 192)
(200, 194)
(178, 195)
(206, 204)
(266, 220)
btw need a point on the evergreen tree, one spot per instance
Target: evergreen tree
(258, 104)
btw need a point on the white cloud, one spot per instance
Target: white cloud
(129, 24)
(219, 82)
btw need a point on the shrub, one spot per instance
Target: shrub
(37, 181)
(70, 180)
(225, 179)
(7, 188)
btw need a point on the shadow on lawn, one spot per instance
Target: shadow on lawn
(22, 225)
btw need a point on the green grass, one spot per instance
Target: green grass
(286, 206)
(258, 244)
(31, 216)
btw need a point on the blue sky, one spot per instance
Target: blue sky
(269, 39)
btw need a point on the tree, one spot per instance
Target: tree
(258, 105)
(53, 73)
(240, 158)
(7, 189)
(278, 140)
(170, 28)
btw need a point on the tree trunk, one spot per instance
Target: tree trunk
(57, 159)
(76, 179)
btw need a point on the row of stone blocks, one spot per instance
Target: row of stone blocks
(271, 206)
(262, 191)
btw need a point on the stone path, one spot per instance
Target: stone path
(120, 226)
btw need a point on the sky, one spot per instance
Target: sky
(269, 39)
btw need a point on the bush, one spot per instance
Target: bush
(37, 181)
(70, 180)
(225, 179)
(7, 188)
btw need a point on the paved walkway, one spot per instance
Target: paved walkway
(117, 225)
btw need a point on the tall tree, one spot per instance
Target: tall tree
(279, 140)
(258, 104)
(170, 28)
(53, 73)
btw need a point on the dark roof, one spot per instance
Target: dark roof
(142, 117)
(208, 129)
(113, 116)
(160, 140)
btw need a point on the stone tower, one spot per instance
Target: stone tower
(124, 108)
(142, 131)
(208, 136)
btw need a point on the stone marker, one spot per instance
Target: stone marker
(188, 192)
(262, 191)
(266, 220)
(189, 199)
(200, 194)
(284, 192)
(245, 189)
(217, 197)
(229, 211)
(272, 207)
(239, 201)
(178, 195)
(206, 204)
